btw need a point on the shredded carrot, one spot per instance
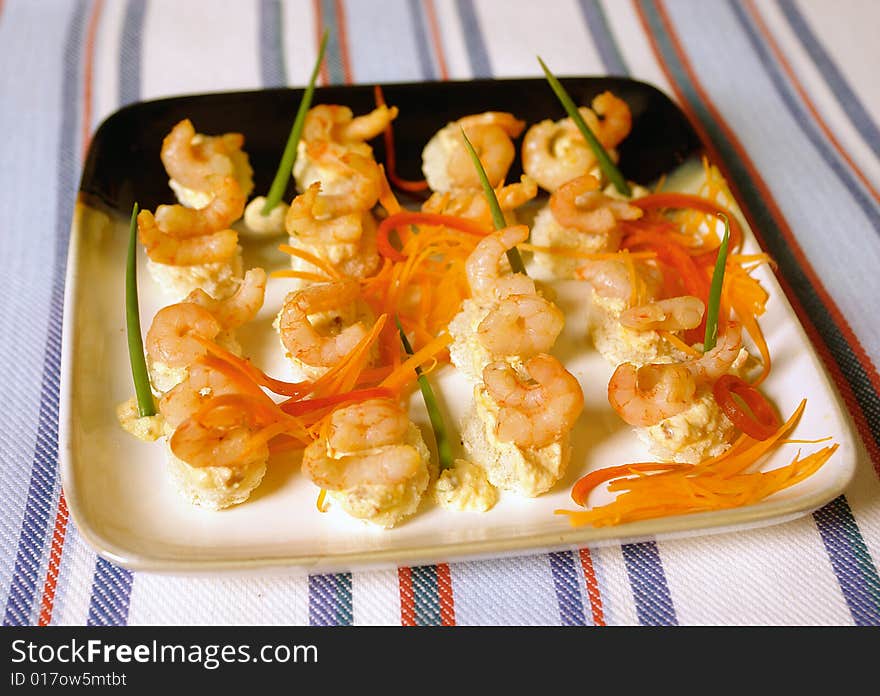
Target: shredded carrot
(406, 373)
(390, 155)
(325, 266)
(679, 344)
(301, 275)
(319, 503)
(718, 483)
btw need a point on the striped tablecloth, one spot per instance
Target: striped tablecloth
(786, 92)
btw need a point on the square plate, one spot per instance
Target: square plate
(117, 490)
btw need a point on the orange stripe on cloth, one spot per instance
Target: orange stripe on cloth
(763, 190)
(753, 12)
(324, 73)
(407, 597)
(436, 39)
(59, 530)
(592, 587)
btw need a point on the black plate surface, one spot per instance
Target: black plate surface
(123, 162)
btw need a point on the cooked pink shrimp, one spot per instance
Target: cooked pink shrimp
(670, 314)
(554, 153)
(301, 338)
(359, 182)
(646, 395)
(335, 123)
(474, 206)
(611, 278)
(193, 165)
(521, 325)
(494, 148)
(225, 207)
(390, 465)
(366, 425)
(170, 339)
(302, 223)
(579, 204)
(206, 378)
(538, 412)
(173, 251)
(241, 307)
(615, 119)
(484, 266)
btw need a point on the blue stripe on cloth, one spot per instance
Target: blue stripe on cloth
(427, 597)
(478, 55)
(111, 594)
(851, 561)
(566, 582)
(44, 487)
(804, 121)
(603, 39)
(333, 55)
(423, 43)
(851, 104)
(777, 246)
(269, 40)
(330, 600)
(650, 591)
(130, 50)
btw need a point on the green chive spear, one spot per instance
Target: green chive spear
(609, 169)
(288, 159)
(714, 303)
(139, 373)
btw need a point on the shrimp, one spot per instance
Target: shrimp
(391, 465)
(521, 325)
(241, 307)
(554, 153)
(359, 182)
(206, 378)
(671, 314)
(537, 413)
(483, 266)
(366, 425)
(615, 119)
(613, 278)
(230, 443)
(225, 207)
(646, 395)
(447, 164)
(579, 204)
(193, 164)
(334, 123)
(173, 251)
(473, 205)
(301, 338)
(170, 339)
(301, 221)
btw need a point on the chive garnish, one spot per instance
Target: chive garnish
(609, 169)
(444, 451)
(288, 159)
(139, 373)
(516, 263)
(715, 289)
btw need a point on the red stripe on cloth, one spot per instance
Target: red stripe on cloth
(47, 603)
(592, 588)
(59, 531)
(444, 591)
(436, 39)
(407, 597)
(324, 74)
(343, 41)
(760, 185)
(755, 15)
